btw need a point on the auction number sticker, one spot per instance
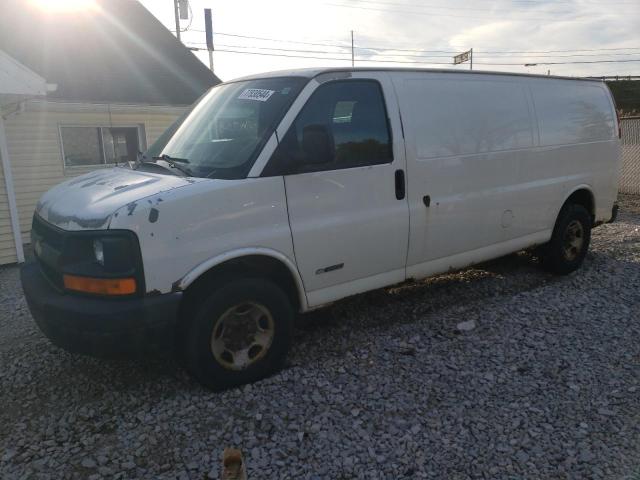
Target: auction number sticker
(258, 94)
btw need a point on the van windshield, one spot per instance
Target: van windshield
(225, 132)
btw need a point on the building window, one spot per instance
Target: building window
(83, 146)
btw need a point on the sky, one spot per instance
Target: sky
(504, 34)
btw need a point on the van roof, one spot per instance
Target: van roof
(314, 72)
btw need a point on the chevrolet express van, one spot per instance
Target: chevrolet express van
(284, 192)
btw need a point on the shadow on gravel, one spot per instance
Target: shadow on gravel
(408, 301)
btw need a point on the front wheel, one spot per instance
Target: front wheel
(239, 333)
(569, 243)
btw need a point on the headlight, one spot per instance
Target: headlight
(103, 263)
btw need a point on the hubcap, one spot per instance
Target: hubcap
(573, 240)
(242, 335)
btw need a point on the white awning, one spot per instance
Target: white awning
(18, 82)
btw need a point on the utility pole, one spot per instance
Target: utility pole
(471, 59)
(208, 30)
(353, 61)
(177, 16)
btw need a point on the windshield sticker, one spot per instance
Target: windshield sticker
(258, 94)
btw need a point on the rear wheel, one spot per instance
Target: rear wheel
(569, 243)
(239, 333)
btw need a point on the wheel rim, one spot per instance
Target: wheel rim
(242, 335)
(573, 240)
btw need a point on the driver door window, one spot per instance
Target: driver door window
(343, 125)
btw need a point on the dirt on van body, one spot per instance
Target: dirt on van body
(500, 371)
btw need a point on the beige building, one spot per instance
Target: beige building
(69, 107)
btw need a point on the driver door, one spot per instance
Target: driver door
(345, 187)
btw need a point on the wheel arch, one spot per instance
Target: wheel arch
(581, 195)
(263, 261)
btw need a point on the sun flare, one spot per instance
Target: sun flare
(64, 5)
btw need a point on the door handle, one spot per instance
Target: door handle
(400, 189)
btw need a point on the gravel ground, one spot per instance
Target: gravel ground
(543, 384)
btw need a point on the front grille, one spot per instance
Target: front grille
(48, 242)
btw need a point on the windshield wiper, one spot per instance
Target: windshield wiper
(170, 159)
(174, 161)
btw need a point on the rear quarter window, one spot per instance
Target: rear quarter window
(571, 112)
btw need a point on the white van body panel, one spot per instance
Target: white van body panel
(577, 144)
(212, 219)
(496, 162)
(489, 160)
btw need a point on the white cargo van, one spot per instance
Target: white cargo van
(284, 192)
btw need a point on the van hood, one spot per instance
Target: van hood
(89, 201)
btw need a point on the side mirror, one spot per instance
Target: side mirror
(317, 145)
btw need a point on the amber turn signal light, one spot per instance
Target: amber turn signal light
(100, 286)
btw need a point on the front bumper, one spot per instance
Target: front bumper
(100, 326)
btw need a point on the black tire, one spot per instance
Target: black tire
(555, 255)
(197, 353)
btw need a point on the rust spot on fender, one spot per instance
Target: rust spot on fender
(131, 207)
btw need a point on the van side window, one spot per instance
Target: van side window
(343, 125)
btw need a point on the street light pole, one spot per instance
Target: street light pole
(353, 62)
(208, 31)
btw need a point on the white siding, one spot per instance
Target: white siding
(36, 157)
(7, 244)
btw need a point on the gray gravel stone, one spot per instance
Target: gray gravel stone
(377, 386)
(466, 326)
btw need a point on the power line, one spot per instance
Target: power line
(273, 54)
(403, 55)
(275, 39)
(509, 56)
(288, 50)
(274, 48)
(500, 51)
(566, 63)
(347, 47)
(415, 62)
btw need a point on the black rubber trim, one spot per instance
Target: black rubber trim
(100, 326)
